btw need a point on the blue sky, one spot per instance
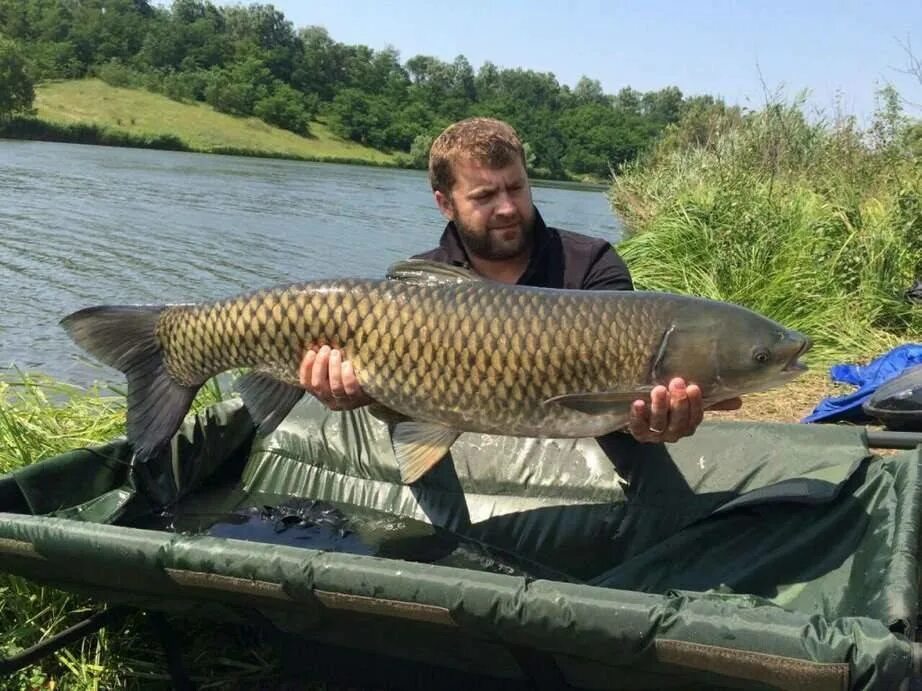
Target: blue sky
(718, 47)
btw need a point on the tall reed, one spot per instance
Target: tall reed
(816, 224)
(39, 418)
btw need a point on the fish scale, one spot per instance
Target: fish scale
(440, 351)
(512, 350)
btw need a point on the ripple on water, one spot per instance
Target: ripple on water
(83, 225)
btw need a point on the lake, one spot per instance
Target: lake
(85, 225)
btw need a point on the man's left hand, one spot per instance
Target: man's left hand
(673, 412)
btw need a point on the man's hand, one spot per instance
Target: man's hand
(324, 374)
(673, 413)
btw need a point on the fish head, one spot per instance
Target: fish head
(730, 351)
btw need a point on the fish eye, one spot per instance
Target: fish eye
(761, 355)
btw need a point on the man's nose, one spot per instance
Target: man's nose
(505, 204)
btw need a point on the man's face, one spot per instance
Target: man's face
(492, 209)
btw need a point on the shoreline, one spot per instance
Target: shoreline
(37, 129)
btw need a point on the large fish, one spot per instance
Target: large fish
(441, 351)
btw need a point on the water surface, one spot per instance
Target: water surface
(84, 225)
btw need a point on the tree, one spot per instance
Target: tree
(322, 65)
(191, 36)
(487, 80)
(588, 91)
(358, 116)
(17, 90)
(889, 124)
(663, 107)
(419, 150)
(42, 28)
(703, 119)
(105, 29)
(248, 59)
(287, 108)
(237, 89)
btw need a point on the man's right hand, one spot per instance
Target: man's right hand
(331, 380)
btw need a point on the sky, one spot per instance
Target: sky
(840, 51)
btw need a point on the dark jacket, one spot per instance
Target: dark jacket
(560, 259)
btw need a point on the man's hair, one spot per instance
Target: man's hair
(485, 140)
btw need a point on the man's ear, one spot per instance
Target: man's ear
(445, 206)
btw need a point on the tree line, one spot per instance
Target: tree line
(251, 60)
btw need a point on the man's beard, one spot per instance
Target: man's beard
(492, 246)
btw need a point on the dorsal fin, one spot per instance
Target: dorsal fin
(426, 272)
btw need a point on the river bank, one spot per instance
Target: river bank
(89, 111)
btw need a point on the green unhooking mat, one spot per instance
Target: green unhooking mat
(748, 556)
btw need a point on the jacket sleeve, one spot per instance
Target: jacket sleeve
(608, 271)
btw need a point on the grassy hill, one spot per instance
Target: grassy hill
(138, 114)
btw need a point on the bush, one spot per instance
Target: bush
(818, 225)
(115, 73)
(287, 108)
(87, 133)
(185, 86)
(238, 88)
(17, 88)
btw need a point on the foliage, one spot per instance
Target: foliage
(40, 418)
(818, 224)
(236, 89)
(287, 108)
(249, 60)
(81, 133)
(90, 111)
(17, 91)
(116, 73)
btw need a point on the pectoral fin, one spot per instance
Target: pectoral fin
(419, 446)
(601, 403)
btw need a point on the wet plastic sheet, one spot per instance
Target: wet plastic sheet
(754, 555)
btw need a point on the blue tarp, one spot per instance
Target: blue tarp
(868, 378)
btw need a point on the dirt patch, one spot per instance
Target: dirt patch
(789, 403)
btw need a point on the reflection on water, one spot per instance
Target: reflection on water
(325, 526)
(83, 225)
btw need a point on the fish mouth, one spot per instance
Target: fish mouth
(794, 365)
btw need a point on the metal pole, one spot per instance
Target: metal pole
(89, 625)
(886, 439)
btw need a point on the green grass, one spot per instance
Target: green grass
(35, 423)
(40, 418)
(143, 114)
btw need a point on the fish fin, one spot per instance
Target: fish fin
(600, 403)
(425, 272)
(661, 364)
(124, 337)
(419, 446)
(385, 414)
(268, 399)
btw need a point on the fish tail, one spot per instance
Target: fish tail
(124, 337)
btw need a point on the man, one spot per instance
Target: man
(477, 173)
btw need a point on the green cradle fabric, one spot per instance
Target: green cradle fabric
(749, 555)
